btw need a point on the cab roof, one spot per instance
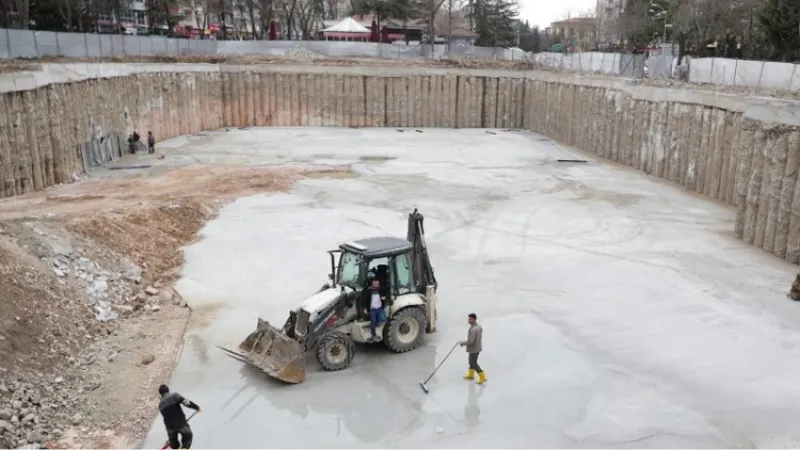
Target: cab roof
(377, 247)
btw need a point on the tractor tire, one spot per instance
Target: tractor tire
(335, 351)
(405, 330)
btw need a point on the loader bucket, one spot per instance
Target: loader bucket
(276, 354)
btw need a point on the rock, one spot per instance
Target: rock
(183, 303)
(3, 389)
(5, 414)
(35, 436)
(150, 290)
(16, 405)
(5, 426)
(154, 308)
(163, 297)
(59, 380)
(104, 313)
(33, 445)
(59, 273)
(88, 360)
(147, 359)
(76, 419)
(29, 418)
(57, 433)
(45, 410)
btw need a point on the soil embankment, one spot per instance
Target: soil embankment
(90, 322)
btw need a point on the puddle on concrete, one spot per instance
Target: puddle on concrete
(376, 159)
(582, 191)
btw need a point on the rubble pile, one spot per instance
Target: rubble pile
(36, 413)
(77, 295)
(302, 53)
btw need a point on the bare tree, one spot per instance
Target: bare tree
(451, 16)
(200, 12)
(286, 15)
(429, 9)
(697, 24)
(331, 9)
(309, 15)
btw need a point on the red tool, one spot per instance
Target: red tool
(166, 444)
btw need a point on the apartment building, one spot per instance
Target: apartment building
(577, 34)
(608, 13)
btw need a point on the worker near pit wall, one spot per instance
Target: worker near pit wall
(474, 344)
(376, 313)
(175, 421)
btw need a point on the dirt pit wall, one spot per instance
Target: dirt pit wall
(739, 150)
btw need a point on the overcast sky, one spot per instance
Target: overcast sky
(542, 12)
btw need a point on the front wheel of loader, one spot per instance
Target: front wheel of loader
(405, 329)
(335, 351)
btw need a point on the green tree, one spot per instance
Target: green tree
(780, 20)
(386, 9)
(530, 39)
(494, 21)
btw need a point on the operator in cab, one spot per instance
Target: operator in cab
(376, 313)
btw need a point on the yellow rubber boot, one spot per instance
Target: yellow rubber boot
(481, 377)
(470, 374)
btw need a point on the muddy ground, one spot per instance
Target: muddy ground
(89, 322)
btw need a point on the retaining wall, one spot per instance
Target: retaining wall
(739, 150)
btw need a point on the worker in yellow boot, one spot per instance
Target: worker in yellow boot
(474, 344)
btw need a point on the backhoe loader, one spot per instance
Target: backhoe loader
(332, 320)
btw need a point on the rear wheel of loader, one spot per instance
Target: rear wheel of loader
(335, 351)
(404, 331)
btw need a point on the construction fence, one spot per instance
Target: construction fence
(37, 44)
(620, 64)
(736, 72)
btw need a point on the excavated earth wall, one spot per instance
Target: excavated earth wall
(743, 151)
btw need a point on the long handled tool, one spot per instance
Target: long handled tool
(166, 444)
(423, 384)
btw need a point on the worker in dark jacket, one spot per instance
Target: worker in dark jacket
(474, 344)
(151, 142)
(174, 418)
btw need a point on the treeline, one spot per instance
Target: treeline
(495, 21)
(747, 29)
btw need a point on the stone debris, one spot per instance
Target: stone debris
(36, 409)
(71, 281)
(109, 289)
(300, 52)
(34, 413)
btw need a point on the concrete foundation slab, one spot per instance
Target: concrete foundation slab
(617, 310)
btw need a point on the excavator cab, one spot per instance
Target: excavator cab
(331, 321)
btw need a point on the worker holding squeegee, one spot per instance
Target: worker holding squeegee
(474, 344)
(174, 418)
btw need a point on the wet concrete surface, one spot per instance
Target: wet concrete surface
(617, 310)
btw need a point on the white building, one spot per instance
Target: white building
(608, 13)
